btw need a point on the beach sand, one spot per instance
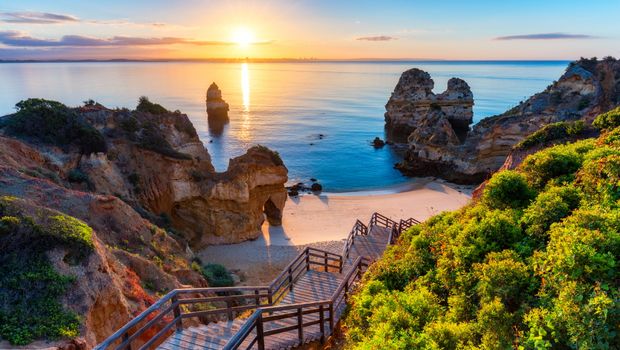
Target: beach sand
(324, 221)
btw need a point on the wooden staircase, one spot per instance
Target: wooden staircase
(302, 304)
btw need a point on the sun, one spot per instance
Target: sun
(243, 37)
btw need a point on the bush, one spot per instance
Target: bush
(551, 163)
(146, 106)
(552, 132)
(507, 189)
(217, 275)
(77, 176)
(152, 139)
(275, 156)
(504, 276)
(549, 207)
(53, 123)
(506, 271)
(609, 120)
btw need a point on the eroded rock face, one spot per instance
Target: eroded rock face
(413, 102)
(587, 88)
(217, 108)
(158, 164)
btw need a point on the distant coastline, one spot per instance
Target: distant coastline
(281, 60)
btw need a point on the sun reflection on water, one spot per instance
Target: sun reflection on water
(245, 94)
(245, 86)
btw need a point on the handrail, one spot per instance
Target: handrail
(255, 321)
(303, 262)
(168, 309)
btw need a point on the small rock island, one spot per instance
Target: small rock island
(217, 108)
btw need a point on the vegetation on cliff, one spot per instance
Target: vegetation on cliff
(53, 123)
(533, 264)
(30, 288)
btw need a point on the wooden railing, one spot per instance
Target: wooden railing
(215, 303)
(257, 325)
(207, 304)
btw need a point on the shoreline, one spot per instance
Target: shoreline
(324, 221)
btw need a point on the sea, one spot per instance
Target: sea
(320, 116)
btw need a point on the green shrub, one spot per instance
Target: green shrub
(70, 230)
(146, 106)
(153, 139)
(507, 189)
(555, 162)
(8, 224)
(129, 124)
(275, 156)
(504, 276)
(552, 132)
(77, 176)
(609, 120)
(549, 207)
(54, 123)
(217, 275)
(507, 271)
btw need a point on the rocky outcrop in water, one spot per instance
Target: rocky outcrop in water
(413, 102)
(436, 148)
(217, 108)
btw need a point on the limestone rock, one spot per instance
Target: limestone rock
(413, 101)
(157, 164)
(217, 108)
(587, 88)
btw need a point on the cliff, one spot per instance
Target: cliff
(154, 160)
(105, 207)
(588, 87)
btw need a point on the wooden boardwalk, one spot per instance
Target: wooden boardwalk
(302, 305)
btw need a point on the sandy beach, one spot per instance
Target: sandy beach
(325, 220)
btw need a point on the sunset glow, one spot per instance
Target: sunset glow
(243, 37)
(305, 29)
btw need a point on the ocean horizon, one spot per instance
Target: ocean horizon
(320, 115)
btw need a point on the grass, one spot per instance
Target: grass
(30, 288)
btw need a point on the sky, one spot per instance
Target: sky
(322, 29)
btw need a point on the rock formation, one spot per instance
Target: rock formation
(436, 148)
(157, 164)
(413, 102)
(217, 108)
(150, 195)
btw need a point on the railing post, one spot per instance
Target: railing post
(290, 279)
(300, 323)
(125, 337)
(177, 313)
(341, 263)
(260, 335)
(331, 318)
(322, 323)
(270, 296)
(256, 292)
(229, 310)
(346, 291)
(325, 260)
(307, 261)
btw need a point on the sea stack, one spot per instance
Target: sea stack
(413, 102)
(217, 108)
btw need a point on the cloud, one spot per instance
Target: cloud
(546, 36)
(376, 38)
(19, 39)
(36, 18)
